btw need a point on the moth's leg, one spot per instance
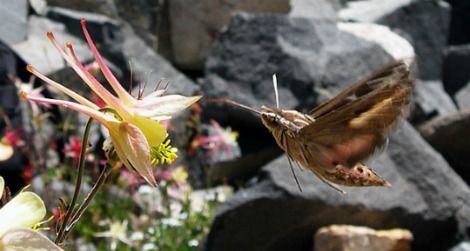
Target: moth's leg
(330, 184)
(293, 173)
(285, 143)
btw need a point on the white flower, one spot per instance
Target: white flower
(17, 218)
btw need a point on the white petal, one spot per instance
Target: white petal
(27, 240)
(23, 211)
(164, 106)
(6, 151)
(2, 185)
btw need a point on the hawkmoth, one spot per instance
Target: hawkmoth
(335, 137)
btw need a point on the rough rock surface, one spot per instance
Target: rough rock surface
(355, 238)
(462, 97)
(420, 200)
(430, 100)
(202, 23)
(38, 51)
(456, 71)
(424, 23)
(449, 135)
(14, 21)
(306, 54)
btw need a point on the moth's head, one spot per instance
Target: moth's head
(269, 116)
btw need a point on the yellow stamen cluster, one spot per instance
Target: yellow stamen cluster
(163, 154)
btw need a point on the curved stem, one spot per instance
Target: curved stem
(78, 183)
(81, 209)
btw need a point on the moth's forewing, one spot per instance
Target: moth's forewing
(337, 135)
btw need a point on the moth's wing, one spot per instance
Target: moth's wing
(350, 130)
(359, 88)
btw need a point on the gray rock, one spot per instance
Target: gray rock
(424, 23)
(463, 246)
(462, 97)
(101, 27)
(449, 135)
(149, 67)
(13, 21)
(430, 100)
(104, 7)
(426, 197)
(39, 52)
(202, 23)
(39, 6)
(456, 69)
(309, 56)
(458, 32)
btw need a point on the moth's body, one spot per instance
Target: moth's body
(326, 162)
(334, 138)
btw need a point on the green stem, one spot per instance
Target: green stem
(78, 183)
(81, 209)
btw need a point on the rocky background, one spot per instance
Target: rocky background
(230, 49)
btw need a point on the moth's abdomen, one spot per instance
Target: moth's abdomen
(359, 175)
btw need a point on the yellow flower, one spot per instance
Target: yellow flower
(138, 137)
(17, 218)
(179, 175)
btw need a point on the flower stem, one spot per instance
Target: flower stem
(81, 209)
(81, 164)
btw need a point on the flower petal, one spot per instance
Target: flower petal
(164, 106)
(23, 211)
(91, 81)
(6, 151)
(99, 116)
(2, 186)
(77, 97)
(153, 130)
(117, 87)
(136, 149)
(26, 239)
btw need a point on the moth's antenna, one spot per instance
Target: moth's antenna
(275, 90)
(229, 101)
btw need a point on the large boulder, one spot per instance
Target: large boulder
(202, 23)
(462, 97)
(309, 56)
(456, 69)
(39, 52)
(13, 21)
(448, 134)
(426, 197)
(424, 23)
(430, 100)
(458, 32)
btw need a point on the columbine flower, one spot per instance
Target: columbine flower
(223, 138)
(10, 139)
(117, 232)
(17, 218)
(139, 139)
(73, 149)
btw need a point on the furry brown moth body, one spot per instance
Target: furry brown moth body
(334, 138)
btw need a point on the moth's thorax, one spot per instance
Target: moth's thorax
(290, 120)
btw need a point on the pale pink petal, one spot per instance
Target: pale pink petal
(90, 80)
(117, 87)
(138, 151)
(164, 106)
(26, 239)
(77, 97)
(99, 116)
